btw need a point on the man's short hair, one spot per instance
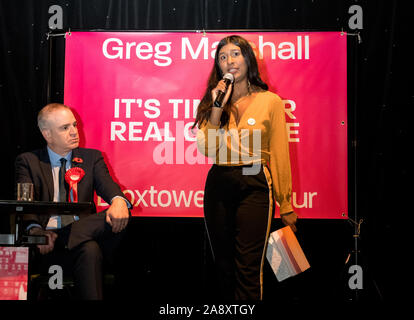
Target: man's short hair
(46, 110)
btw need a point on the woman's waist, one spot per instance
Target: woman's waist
(241, 162)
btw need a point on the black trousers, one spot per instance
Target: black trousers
(80, 249)
(238, 211)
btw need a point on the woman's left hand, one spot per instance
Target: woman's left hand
(290, 220)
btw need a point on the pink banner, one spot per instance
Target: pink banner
(136, 94)
(13, 273)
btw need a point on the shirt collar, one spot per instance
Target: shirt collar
(55, 158)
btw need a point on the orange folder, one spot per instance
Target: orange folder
(285, 254)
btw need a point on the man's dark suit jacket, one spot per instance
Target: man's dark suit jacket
(35, 167)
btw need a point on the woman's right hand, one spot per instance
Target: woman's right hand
(221, 86)
(289, 219)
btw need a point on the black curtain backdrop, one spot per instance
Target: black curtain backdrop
(169, 258)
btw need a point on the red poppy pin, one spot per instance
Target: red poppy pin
(77, 160)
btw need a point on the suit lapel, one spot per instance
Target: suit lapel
(47, 172)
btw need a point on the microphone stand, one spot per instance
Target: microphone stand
(356, 296)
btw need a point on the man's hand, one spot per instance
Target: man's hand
(117, 215)
(50, 235)
(289, 219)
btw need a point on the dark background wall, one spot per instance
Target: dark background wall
(169, 259)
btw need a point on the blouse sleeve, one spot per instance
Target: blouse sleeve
(279, 157)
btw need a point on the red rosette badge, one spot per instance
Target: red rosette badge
(72, 177)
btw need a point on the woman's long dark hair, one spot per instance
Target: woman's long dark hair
(253, 76)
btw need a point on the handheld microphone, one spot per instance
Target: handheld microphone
(228, 78)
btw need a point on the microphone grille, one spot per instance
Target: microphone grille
(229, 76)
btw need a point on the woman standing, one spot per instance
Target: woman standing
(248, 132)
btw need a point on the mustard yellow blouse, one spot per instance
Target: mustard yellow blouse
(260, 136)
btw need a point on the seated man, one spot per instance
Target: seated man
(78, 244)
